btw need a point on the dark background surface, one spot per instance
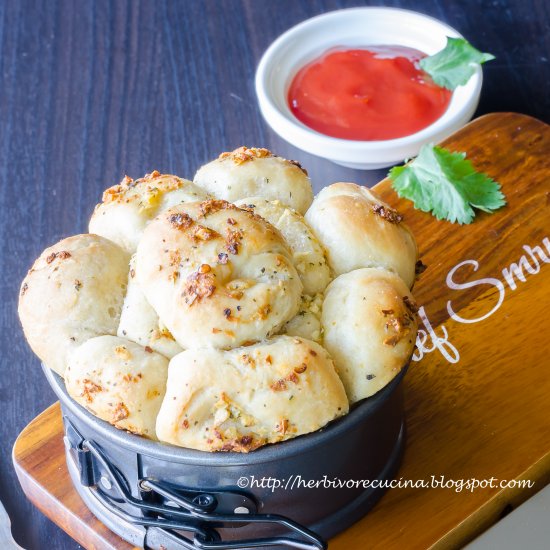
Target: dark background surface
(91, 90)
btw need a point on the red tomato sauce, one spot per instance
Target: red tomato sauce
(367, 94)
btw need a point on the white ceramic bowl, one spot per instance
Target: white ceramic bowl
(357, 27)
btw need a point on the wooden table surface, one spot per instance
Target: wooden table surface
(91, 90)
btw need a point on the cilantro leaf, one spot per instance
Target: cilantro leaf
(447, 185)
(455, 64)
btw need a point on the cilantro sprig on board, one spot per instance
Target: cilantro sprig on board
(455, 64)
(447, 185)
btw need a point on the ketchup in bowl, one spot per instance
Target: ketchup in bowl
(373, 93)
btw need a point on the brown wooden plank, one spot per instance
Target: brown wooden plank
(485, 416)
(39, 459)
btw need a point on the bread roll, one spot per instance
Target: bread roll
(307, 322)
(128, 207)
(140, 323)
(369, 322)
(242, 399)
(359, 230)
(217, 275)
(307, 253)
(74, 291)
(256, 172)
(118, 381)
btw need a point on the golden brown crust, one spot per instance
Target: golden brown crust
(75, 290)
(241, 399)
(245, 154)
(199, 285)
(387, 213)
(196, 263)
(128, 207)
(118, 381)
(145, 189)
(370, 322)
(308, 255)
(358, 230)
(255, 172)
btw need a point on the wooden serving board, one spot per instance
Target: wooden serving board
(477, 403)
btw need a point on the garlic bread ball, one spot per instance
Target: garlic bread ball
(118, 381)
(217, 275)
(369, 321)
(359, 230)
(128, 207)
(307, 253)
(251, 172)
(140, 323)
(242, 399)
(74, 291)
